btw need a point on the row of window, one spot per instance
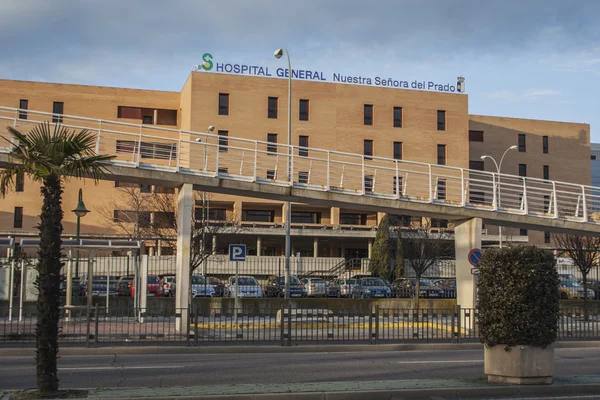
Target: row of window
(477, 136)
(303, 111)
(58, 108)
(397, 149)
(479, 165)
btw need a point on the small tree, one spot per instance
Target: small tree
(518, 297)
(425, 246)
(585, 253)
(386, 256)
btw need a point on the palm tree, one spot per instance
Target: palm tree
(50, 155)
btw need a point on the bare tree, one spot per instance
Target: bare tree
(584, 251)
(425, 246)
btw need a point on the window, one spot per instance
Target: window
(272, 138)
(593, 157)
(223, 104)
(222, 170)
(368, 149)
(129, 112)
(476, 197)
(439, 223)
(270, 174)
(546, 172)
(223, 141)
(303, 142)
(545, 144)
(547, 237)
(546, 204)
(144, 188)
(258, 215)
(18, 221)
(441, 189)
(398, 185)
(125, 185)
(397, 117)
(368, 183)
(303, 177)
(164, 219)
(306, 217)
(214, 214)
(522, 232)
(272, 107)
(441, 120)
(142, 218)
(522, 143)
(441, 154)
(477, 165)
(398, 150)
(19, 182)
(57, 110)
(164, 190)
(23, 105)
(126, 146)
(368, 111)
(148, 120)
(162, 151)
(522, 169)
(303, 115)
(353, 219)
(475, 136)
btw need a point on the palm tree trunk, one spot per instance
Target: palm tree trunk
(48, 284)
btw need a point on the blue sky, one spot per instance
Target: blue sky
(530, 59)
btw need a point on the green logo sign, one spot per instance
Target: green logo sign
(208, 64)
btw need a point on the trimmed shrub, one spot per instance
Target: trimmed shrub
(518, 297)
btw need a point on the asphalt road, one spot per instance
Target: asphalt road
(165, 370)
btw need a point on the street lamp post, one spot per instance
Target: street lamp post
(79, 211)
(288, 206)
(498, 168)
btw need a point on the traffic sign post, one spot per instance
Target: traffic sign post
(237, 253)
(474, 257)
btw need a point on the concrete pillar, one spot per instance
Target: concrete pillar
(370, 247)
(159, 247)
(284, 212)
(237, 210)
(335, 216)
(151, 251)
(258, 246)
(214, 244)
(380, 216)
(343, 249)
(155, 120)
(185, 207)
(467, 236)
(316, 247)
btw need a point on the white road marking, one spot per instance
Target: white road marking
(118, 367)
(439, 361)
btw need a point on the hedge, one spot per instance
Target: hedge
(518, 297)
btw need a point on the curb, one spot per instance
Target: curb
(259, 349)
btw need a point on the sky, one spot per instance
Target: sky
(535, 59)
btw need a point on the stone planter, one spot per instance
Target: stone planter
(521, 365)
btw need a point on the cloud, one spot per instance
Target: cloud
(527, 95)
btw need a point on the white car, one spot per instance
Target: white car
(248, 287)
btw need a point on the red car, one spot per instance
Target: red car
(153, 287)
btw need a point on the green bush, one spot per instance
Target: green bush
(518, 297)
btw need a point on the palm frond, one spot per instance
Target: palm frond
(8, 176)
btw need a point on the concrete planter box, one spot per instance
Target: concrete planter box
(521, 365)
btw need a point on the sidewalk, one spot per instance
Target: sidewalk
(374, 390)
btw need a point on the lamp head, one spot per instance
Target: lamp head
(513, 147)
(278, 53)
(80, 210)
(211, 128)
(483, 157)
(198, 140)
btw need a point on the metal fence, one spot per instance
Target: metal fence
(286, 325)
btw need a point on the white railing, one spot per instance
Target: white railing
(158, 148)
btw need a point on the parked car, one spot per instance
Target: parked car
(315, 287)
(448, 287)
(346, 286)
(247, 287)
(99, 285)
(166, 282)
(595, 286)
(574, 290)
(275, 287)
(217, 285)
(201, 287)
(76, 290)
(368, 288)
(124, 285)
(153, 287)
(406, 287)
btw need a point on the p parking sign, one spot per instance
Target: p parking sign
(237, 252)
